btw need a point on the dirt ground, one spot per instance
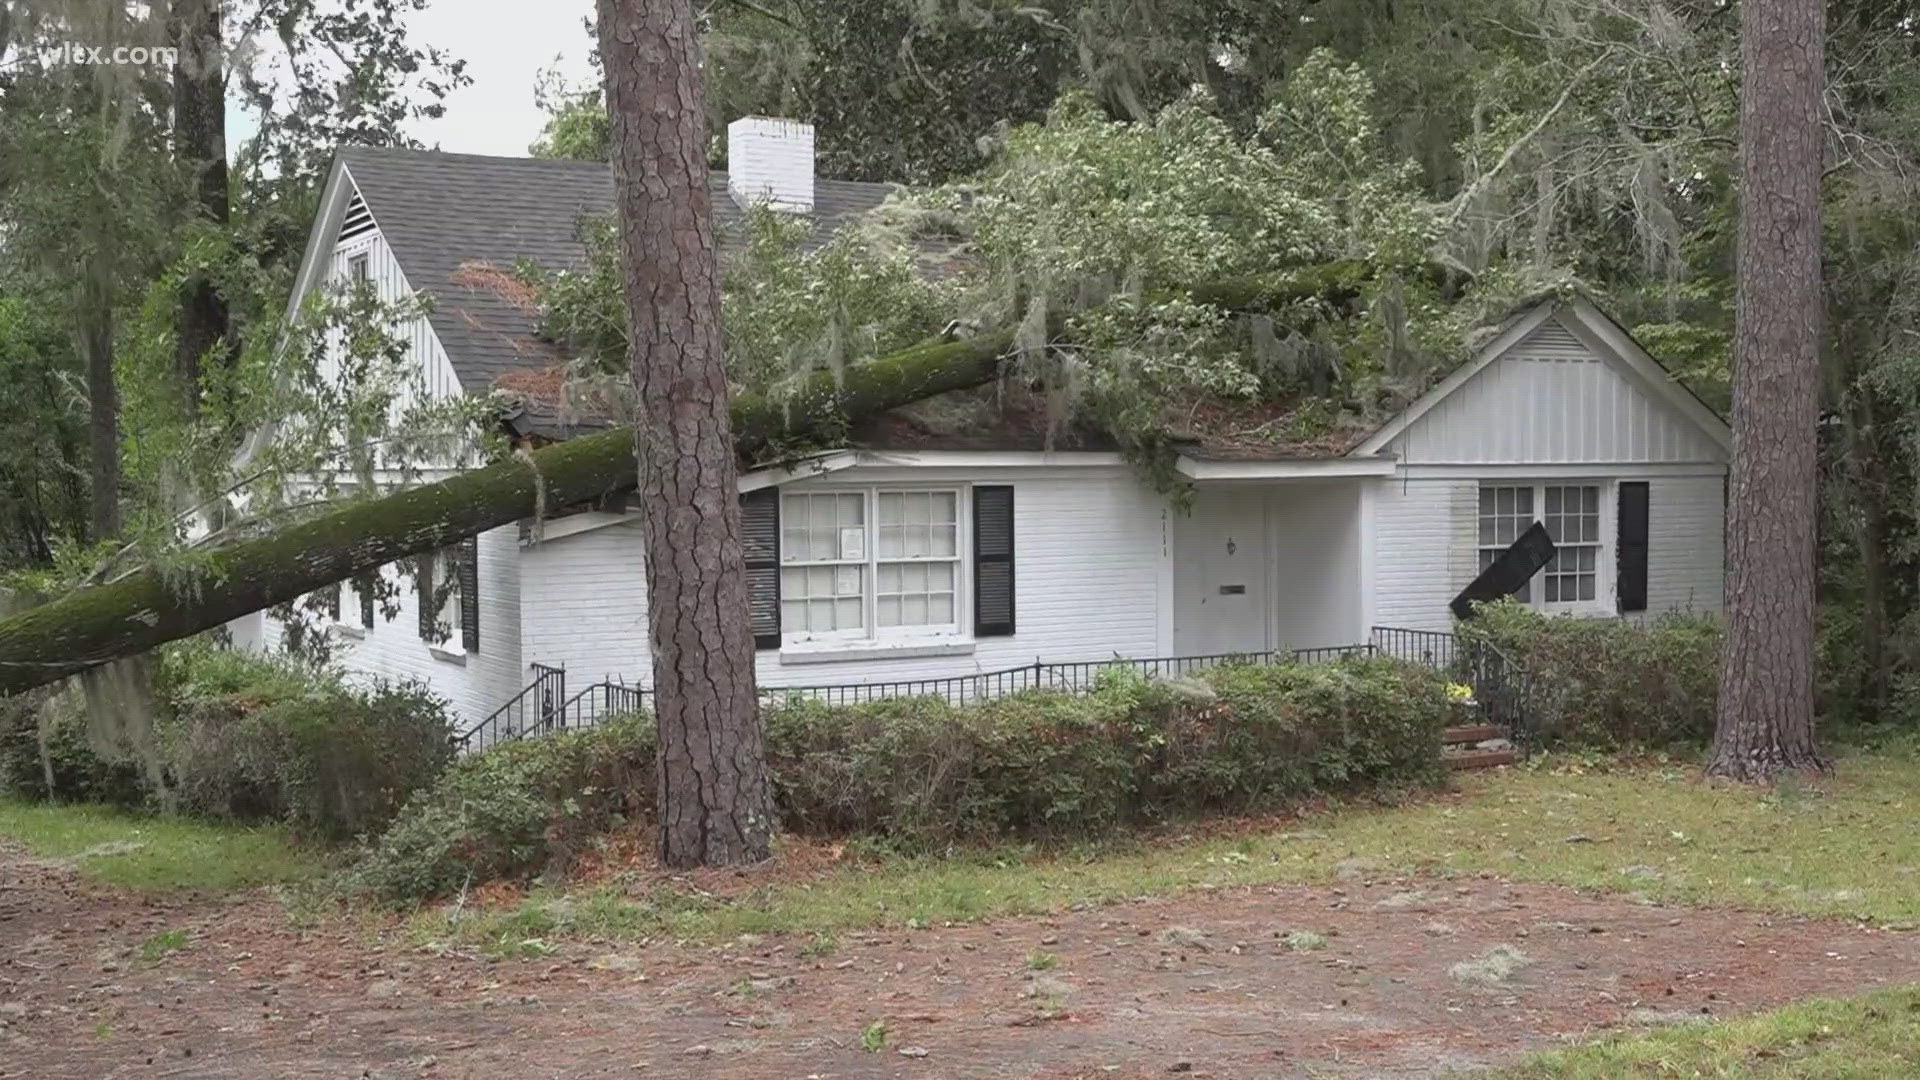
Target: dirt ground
(1206, 985)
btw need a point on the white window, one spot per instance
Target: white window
(872, 563)
(1571, 514)
(357, 269)
(439, 597)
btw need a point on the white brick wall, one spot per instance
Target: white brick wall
(1426, 548)
(585, 605)
(772, 161)
(1686, 543)
(475, 684)
(1088, 557)
(1423, 550)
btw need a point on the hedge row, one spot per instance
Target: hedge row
(242, 737)
(1610, 684)
(919, 772)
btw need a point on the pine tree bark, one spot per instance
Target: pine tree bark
(200, 149)
(95, 335)
(1765, 722)
(716, 807)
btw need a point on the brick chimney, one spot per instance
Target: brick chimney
(771, 161)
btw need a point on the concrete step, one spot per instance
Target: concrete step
(1480, 759)
(1469, 734)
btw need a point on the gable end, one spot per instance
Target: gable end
(1558, 392)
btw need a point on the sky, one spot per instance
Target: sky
(506, 44)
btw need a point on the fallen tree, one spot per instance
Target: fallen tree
(155, 605)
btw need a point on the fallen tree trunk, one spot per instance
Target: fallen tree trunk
(153, 606)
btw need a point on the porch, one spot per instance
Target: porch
(1264, 565)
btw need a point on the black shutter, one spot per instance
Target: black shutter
(332, 600)
(1632, 585)
(469, 570)
(364, 586)
(993, 561)
(423, 591)
(1513, 569)
(760, 539)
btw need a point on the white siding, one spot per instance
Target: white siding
(475, 684)
(1089, 548)
(1552, 400)
(1686, 543)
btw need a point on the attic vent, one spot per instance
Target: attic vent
(1553, 341)
(358, 219)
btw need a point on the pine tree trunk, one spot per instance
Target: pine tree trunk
(200, 148)
(715, 805)
(1765, 723)
(103, 398)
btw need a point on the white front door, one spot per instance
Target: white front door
(1221, 591)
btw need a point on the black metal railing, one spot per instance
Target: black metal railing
(531, 710)
(590, 705)
(1501, 687)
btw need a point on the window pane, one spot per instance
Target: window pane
(1587, 585)
(940, 577)
(892, 544)
(1553, 587)
(887, 611)
(946, 540)
(1553, 501)
(1523, 502)
(940, 608)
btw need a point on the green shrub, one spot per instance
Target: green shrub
(919, 772)
(254, 737)
(1611, 684)
(512, 811)
(1237, 738)
(80, 774)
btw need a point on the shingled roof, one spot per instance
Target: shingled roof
(451, 218)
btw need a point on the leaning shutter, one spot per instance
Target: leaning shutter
(760, 540)
(1632, 585)
(423, 591)
(469, 570)
(992, 561)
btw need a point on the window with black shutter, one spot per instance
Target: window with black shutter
(993, 560)
(760, 540)
(467, 558)
(364, 587)
(1632, 586)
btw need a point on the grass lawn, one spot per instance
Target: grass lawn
(1865, 1038)
(1842, 846)
(153, 854)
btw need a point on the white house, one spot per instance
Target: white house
(914, 556)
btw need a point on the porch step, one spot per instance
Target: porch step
(1467, 735)
(1480, 759)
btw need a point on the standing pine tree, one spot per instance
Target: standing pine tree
(715, 804)
(1765, 724)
